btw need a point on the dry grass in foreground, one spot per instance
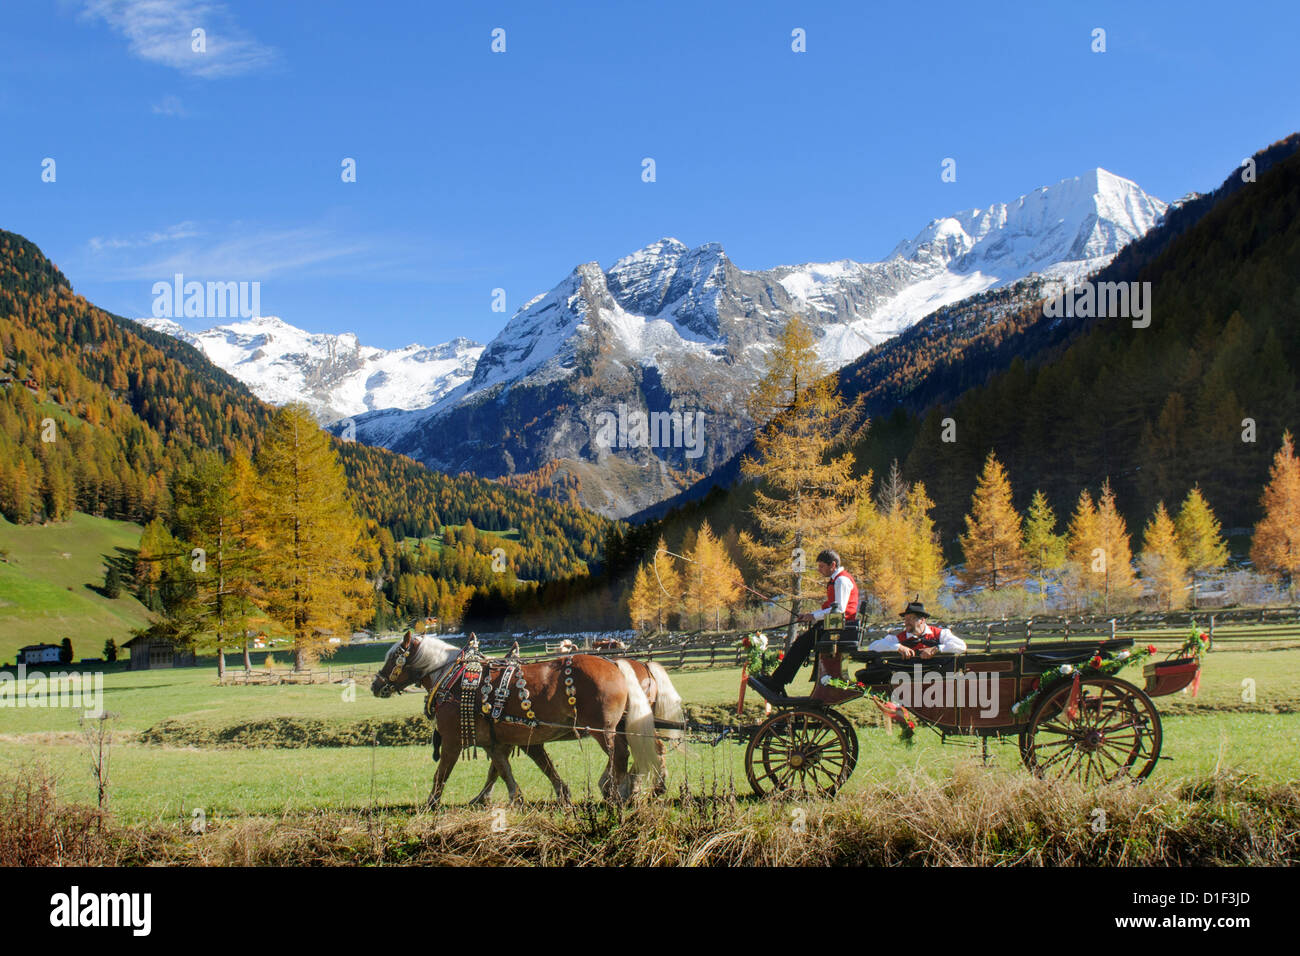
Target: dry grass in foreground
(978, 817)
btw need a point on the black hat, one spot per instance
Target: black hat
(915, 607)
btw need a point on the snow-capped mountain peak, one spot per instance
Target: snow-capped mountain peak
(335, 375)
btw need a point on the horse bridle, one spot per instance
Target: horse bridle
(395, 670)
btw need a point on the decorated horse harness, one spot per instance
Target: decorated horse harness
(468, 683)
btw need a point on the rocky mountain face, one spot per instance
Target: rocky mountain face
(635, 377)
(335, 375)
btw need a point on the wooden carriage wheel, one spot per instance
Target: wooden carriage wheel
(1115, 733)
(801, 752)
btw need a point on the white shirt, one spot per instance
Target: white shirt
(949, 643)
(843, 588)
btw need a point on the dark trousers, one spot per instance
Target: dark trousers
(795, 656)
(802, 647)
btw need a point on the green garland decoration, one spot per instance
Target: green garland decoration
(1096, 666)
(759, 659)
(1197, 643)
(894, 710)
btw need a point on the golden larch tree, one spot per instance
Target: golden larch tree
(1163, 564)
(1044, 548)
(313, 575)
(1275, 547)
(1118, 578)
(712, 580)
(923, 571)
(1200, 538)
(656, 591)
(804, 494)
(992, 545)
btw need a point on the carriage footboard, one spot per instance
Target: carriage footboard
(1169, 677)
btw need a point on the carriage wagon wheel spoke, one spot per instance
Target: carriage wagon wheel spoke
(807, 751)
(1057, 756)
(1116, 733)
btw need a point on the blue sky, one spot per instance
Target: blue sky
(478, 170)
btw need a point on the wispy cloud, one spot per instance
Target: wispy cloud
(162, 31)
(170, 106)
(244, 252)
(182, 230)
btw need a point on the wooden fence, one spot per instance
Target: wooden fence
(1234, 628)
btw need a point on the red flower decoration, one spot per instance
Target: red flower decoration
(780, 657)
(860, 684)
(1151, 648)
(911, 726)
(745, 643)
(1095, 662)
(1205, 638)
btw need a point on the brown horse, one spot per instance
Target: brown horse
(666, 705)
(608, 704)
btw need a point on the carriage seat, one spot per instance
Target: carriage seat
(1048, 659)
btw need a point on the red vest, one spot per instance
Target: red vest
(931, 638)
(851, 610)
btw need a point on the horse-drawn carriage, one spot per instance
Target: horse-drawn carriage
(1072, 716)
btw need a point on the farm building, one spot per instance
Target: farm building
(39, 654)
(149, 652)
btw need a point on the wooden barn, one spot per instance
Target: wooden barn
(150, 652)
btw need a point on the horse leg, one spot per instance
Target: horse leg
(618, 761)
(661, 771)
(543, 760)
(616, 782)
(450, 754)
(499, 760)
(485, 794)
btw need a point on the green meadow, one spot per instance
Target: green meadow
(1219, 731)
(49, 585)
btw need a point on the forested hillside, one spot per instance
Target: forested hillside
(99, 414)
(1201, 396)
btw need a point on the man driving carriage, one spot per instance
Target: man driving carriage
(841, 597)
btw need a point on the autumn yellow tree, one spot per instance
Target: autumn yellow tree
(712, 579)
(869, 547)
(640, 603)
(992, 545)
(923, 570)
(1044, 548)
(1163, 564)
(805, 494)
(1275, 548)
(656, 591)
(1099, 549)
(892, 547)
(213, 500)
(313, 574)
(1200, 538)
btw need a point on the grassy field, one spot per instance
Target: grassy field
(435, 541)
(46, 585)
(154, 782)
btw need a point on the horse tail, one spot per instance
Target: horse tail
(668, 705)
(638, 721)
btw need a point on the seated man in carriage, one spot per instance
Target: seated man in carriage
(919, 638)
(841, 597)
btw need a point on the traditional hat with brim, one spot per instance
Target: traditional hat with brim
(914, 607)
